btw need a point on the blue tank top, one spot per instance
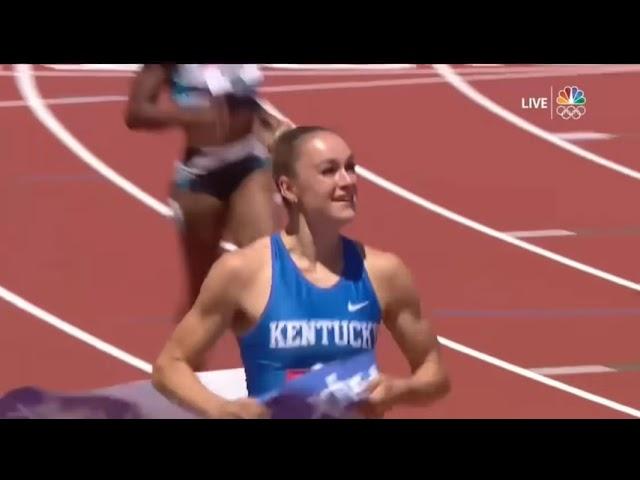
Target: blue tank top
(304, 325)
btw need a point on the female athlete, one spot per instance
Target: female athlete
(304, 296)
(222, 184)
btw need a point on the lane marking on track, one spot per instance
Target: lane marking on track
(71, 74)
(587, 369)
(584, 136)
(580, 313)
(540, 233)
(572, 370)
(460, 84)
(229, 383)
(578, 392)
(27, 87)
(29, 90)
(444, 212)
(74, 331)
(425, 77)
(439, 80)
(66, 100)
(289, 66)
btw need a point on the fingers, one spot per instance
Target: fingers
(250, 409)
(375, 383)
(378, 401)
(371, 411)
(257, 410)
(263, 413)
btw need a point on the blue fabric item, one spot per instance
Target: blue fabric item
(331, 391)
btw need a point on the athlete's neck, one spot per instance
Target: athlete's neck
(317, 245)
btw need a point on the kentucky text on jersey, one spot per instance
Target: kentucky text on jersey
(306, 333)
(304, 325)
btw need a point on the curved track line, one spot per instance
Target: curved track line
(457, 82)
(228, 382)
(413, 198)
(74, 331)
(30, 93)
(578, 392)
(426, 80)
(385, 184)
(66, 100)
(28, 89)
(427, 205)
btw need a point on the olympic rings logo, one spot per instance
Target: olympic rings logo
(570, 112)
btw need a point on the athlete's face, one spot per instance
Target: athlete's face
(325, 180)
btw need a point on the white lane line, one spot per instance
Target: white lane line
(436, 80)
(578, 136)
(341, 66)
(572, 370)
(28, 89)
(74, 331)
(66, 100)
(540, 233)
(125, 67)
(26, 85)
(230, 383)
(425, 77)
(474, 95)
(71, 74)
(23, 76)
(426, 204)
(130, 67)
(578, 392)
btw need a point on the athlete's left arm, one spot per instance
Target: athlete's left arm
(402, 316)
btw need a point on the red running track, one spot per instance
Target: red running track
(79, 247)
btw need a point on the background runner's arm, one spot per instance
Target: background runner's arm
(144, 111)
(210, 316)
(142, 108)
(415, 337)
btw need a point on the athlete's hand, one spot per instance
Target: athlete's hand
(243, 408)
(384, 393)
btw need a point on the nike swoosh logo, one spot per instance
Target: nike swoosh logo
(355, 307)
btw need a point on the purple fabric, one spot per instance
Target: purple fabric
(127, 401)
(328, 392)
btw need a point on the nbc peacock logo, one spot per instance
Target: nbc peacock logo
(570, 103)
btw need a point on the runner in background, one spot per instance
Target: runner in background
(222, 183)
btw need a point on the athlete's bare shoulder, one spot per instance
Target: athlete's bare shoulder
(249, 260)
(389, 274)
(256, 252)
(236, 272)
(252, 282)
(381, 262)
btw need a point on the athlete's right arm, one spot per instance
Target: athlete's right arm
(202, 326)
(143, 111)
